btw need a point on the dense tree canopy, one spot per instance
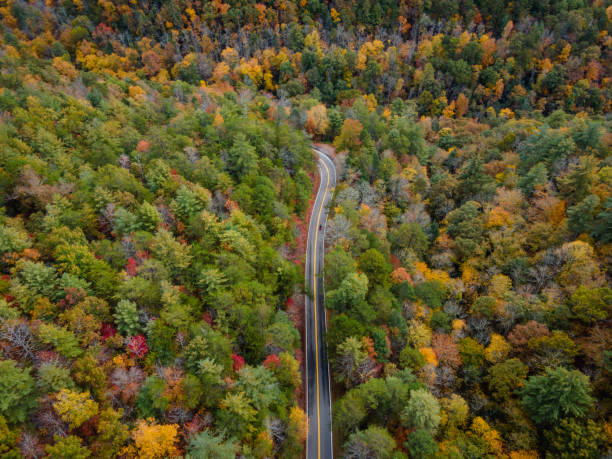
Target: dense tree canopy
(155, 178)
(148, 235)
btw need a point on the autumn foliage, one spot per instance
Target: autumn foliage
(156, 172)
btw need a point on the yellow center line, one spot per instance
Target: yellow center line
(315, 310)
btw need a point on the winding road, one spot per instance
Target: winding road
(318, 392)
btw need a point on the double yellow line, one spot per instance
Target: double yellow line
(315, 309)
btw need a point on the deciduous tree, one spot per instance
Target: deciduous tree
(375, 442)
(155, 441)
(422, 411)
(75, 407)
(505, 378)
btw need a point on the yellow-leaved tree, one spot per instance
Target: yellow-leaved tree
(491, 436)
(75, 407)
(153, 441)
(349, 136)
(498, 349)
(317, 122)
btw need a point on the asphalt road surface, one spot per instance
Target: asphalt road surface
(318, 394)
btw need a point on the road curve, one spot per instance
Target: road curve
(319, 443)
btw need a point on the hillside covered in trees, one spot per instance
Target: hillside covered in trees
(155, 176)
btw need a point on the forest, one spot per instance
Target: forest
(156, 175)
